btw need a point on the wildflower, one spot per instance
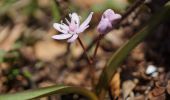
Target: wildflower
(72, 30)
(107, 21)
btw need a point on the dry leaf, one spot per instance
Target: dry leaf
(128, 87)
(4, 33)
(115, 85)
(157, 94)
(48, 50)
(13, 36)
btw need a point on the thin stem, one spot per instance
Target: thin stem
(95, 51)
(97, 46)
(91, 67)
(88, 58)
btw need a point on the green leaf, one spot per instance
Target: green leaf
(55, 11)
(37, 93)
(2, 54)
(119, 56)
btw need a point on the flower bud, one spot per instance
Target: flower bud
(107, 21)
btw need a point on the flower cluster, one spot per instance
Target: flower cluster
(72, 29)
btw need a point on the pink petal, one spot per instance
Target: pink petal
(61, 36)
(118, 16)
(83, 26)
(75, 19)
(111, 15)
(73, 38)
(109, 12)
(82, 29)
(61, 28)
(104, 26)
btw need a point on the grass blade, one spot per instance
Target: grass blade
(37, 93)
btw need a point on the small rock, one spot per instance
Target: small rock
(150, 69)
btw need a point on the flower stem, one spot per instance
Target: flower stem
(90, 61)
(97, 46)
(88, 58)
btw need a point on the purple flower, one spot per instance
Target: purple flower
(72, 30)
(107, 21)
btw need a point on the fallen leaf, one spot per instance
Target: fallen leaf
(13, 36)
(157, 94)
(115, 85)
(128, 87)
(4, 33)
(48, 50)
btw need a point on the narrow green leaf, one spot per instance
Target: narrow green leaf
(2, 54)
(55, 11)
(37, 93)
(119, 56)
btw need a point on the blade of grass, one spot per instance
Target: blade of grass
(37, 93)
(118, 57)
(55, 11)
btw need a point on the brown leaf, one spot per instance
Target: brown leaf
(115, 85)
(13, 36)
(48, 50)
(4, 33)
(157, 94)
(128, 86)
